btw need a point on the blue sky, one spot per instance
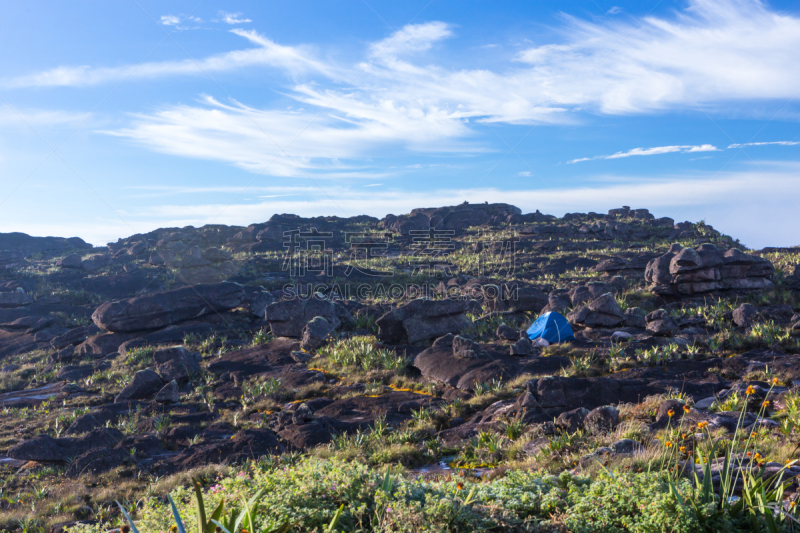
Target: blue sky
(120, 117)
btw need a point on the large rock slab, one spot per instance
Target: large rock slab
(14, 299)
(158, 310)
(248, 444)
(255, 360)
(424, 319)
(440, 363)
(287, 318)
(46, 448)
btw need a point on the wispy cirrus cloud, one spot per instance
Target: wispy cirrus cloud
(768, 143)
(399, 95)
(266, 53)
(233, 18)
(657, 150)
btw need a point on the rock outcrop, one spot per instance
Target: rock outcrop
(687, 271)
(158, 310)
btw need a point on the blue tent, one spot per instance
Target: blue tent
(552, 327)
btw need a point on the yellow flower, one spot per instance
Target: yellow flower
(750, 390)
(686, 408)
(774, 381)
(668, 444)
(702, 425)
(765, 404)
(682, 449)
(753, 435)
(670, 413)
(173, 528)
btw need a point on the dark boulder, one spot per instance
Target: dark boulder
(288, 318)
(601, 312)
(572, 421)
(602, 419)
(317, 333)
(659, 323)
(169, 393)
(423, 319)
(145, 384)
(96, 462)
(83, 424)
(634, 318)
(507, 333)
(176, 363)
(744, 316)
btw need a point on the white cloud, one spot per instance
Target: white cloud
(713, 52)
(256, 140)
(614, 10)
(170, 20)
(39, 117)
(412, 38)
(233, 18)
(779, 143)
(267, 53)
(652, 151)
(524, 173)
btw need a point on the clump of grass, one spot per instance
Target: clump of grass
(362, 352)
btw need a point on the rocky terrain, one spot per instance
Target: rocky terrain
(127, 368)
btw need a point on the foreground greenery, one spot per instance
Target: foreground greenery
(308, 496)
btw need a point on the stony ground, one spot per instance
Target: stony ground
(127, 369)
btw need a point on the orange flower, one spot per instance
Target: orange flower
(682, 449)
(686, 408)
(753, 435)
(750, 390)
(765, 403)
(668, 444)
(774, 381)
(460, 485)
(702, 425)
(670, 413)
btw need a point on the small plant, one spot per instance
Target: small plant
(513, 428)
(732, 402)
(262, 336)
(161, 424)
